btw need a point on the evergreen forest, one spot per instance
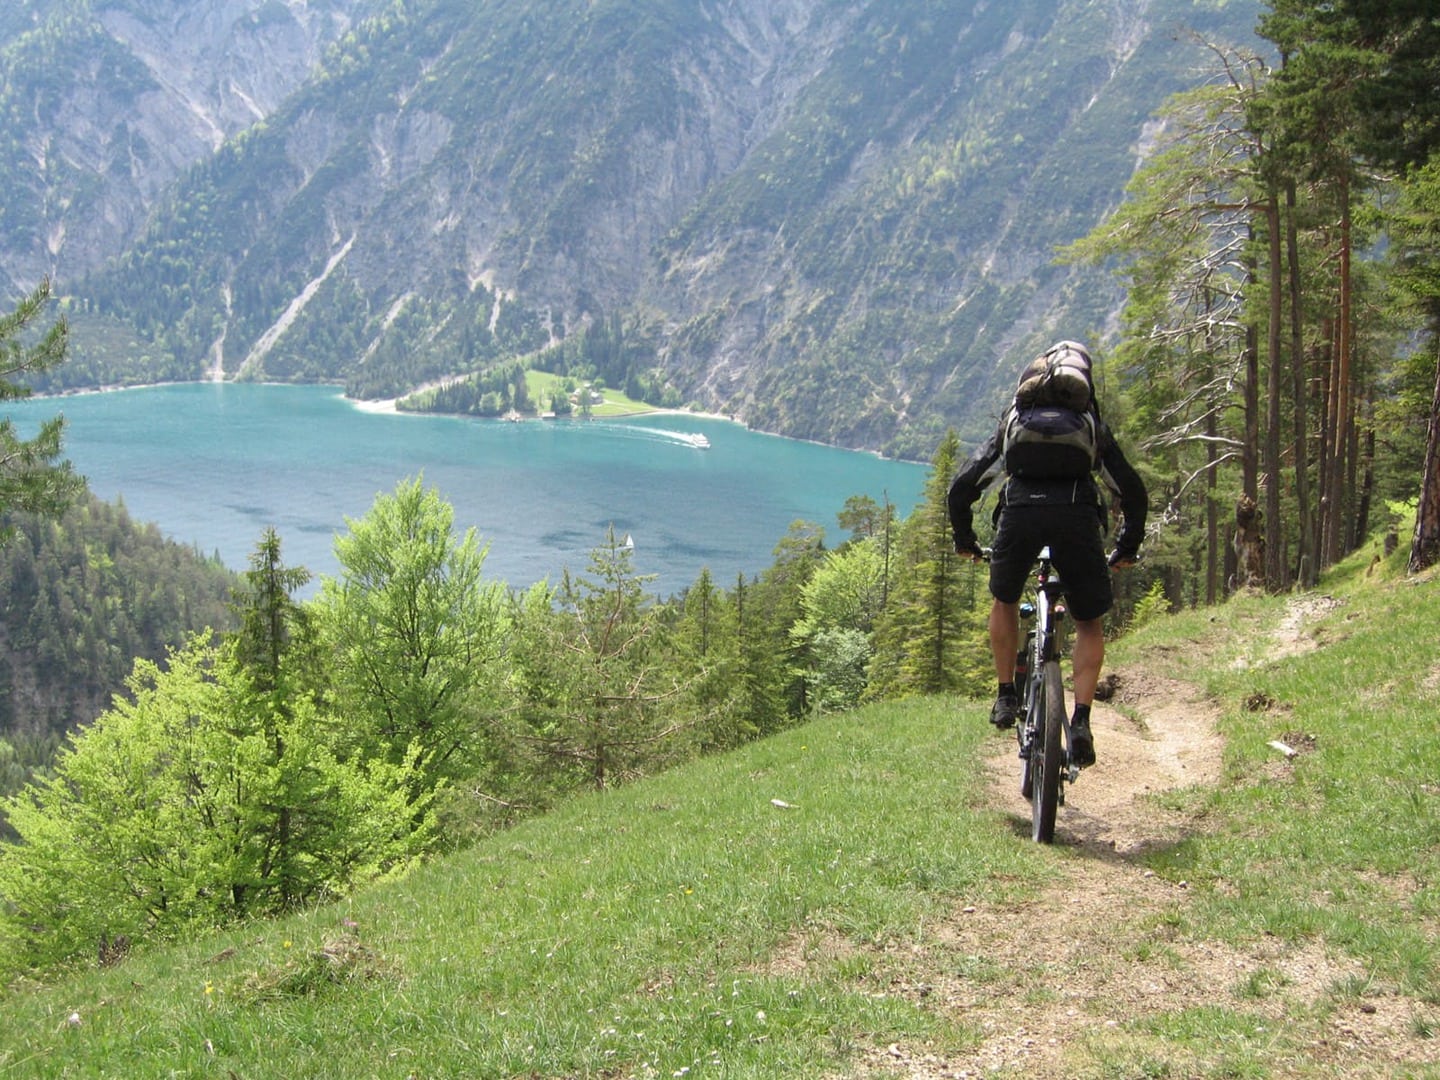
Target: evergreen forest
(85, 595)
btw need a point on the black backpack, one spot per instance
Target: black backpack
(1051, 430)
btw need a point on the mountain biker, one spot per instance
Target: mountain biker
(1066, 513)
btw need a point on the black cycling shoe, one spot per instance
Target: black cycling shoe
(1082, 744)
(1004, 711)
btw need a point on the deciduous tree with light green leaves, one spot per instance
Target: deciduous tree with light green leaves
(166, 813)
(415, 635)
(841, 601)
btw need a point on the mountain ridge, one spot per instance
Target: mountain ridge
(833, 220)
(110, 103)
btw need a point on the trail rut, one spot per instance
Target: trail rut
(1046, 981)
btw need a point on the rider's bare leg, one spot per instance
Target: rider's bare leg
(1086, 658)
(1005, 640)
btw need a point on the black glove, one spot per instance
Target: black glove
(1123, 557)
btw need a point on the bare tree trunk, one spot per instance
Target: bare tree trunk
(1344, 409)
(1212, 511)
(1350, 490)
(1425, 546)
(1330, 424)
(1305, 555)
(1325, 445)
(1274, 549)
(1250, 453)
(1365, 489)
(1249, 544)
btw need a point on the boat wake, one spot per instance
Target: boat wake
(684, 438)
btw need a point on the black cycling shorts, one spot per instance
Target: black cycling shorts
(1077, 551)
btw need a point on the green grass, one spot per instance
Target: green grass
(1342, 842)
(542, 384)
(1336, 849)
(689, 925)
(635, 931)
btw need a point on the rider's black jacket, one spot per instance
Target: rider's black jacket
(986, 466)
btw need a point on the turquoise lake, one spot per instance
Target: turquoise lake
(214, 464)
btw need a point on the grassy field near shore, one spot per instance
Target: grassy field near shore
(542, 385)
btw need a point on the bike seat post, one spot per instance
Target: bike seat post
(1054, 589)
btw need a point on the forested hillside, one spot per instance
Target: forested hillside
(413, 706)
(81, 599)
(858, 897)
(834, 221)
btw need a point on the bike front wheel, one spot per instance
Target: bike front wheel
(1046, 757)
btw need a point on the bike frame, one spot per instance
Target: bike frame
(1045, 719)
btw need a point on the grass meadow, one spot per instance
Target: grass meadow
(736, 917)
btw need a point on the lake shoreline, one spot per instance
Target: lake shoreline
(381, 405)
(214, 465)
(389, 406)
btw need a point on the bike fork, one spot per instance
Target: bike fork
(1072, 771)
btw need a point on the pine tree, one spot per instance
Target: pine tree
(1182, 237)
(929, 641)
(762, 679)
(707, 652)
(31, 475)
(272, 650)
(1398, 100)
(1415, 228)
(598, 695)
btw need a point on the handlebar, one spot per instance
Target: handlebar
(1116, 560)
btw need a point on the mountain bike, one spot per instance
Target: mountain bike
(1046, 765)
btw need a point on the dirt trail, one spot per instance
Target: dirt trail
(1039, 986)
(1112, 818)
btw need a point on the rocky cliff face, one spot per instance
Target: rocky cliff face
(115, 100)
(832, 219)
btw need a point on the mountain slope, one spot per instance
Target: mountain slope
(83, 596)
(108, 102)
(832, 218)
(859, 897)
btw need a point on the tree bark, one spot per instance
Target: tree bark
(1249, 544)
(1274, 549)
(1212, 512)
(1325, 365)
(1250, 453)
(1304, 515)
(1343, 410)
(1425, 547)
(1364, 489)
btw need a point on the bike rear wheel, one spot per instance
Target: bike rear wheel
(1046, 757)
